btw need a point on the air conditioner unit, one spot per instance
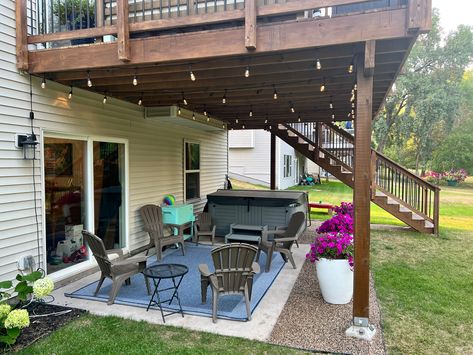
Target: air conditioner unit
(181, 116)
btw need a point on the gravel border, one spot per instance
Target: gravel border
(308, 322)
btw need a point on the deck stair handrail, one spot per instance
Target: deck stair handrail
(388, 178)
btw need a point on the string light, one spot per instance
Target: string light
(191, 74)
(236, 120)
(275, 94)
(250, 114)
(140, 100)
(135, 80)
(205, 111)
(350, 68)
(266, 121)
(318, 65)
(331, 103)
(352, 98)
(193, 116)
(184, 101)
(299, 118)
(355, 87)
(333, 116)
(243, 126)
(322, 87)
(224, 98)
(247, 72)
(89, 82)
(208, 119)
(43, 83)
(179, 111)
(353, 105)
(69, 96)
(293, 110)
(104, 99)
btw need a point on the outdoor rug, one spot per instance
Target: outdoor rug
(229, 306)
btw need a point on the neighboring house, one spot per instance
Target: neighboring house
(249, 159)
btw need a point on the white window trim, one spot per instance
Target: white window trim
(194, 199)
(67, 272)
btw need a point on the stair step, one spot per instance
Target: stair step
(404, 209)
(282, 127)
(380, 194)
(311, 147)
(392, 202)
(291, 134)
(429, 224)
(302, 141)
(416, 217)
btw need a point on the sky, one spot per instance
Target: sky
(454, 13)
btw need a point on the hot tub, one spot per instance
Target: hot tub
(254, 207)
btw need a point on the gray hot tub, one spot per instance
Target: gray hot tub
(254, 207)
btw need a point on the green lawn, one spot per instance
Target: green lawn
(424, 284)
(111, 335)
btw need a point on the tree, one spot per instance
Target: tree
(425, 100)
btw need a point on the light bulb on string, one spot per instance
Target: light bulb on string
(236, 120)
(193, 116)
(184, 101)
(318, 65)
(247, 72)
(43, 83)
(104, 99)
(224, 98)
(331, 104)
(179, 111)
(250, 114)
(299, 118)
(350, 68)
(140, 100)
(192, 75)
(293, 110)
(333, 116)
(275, 94)
(322, 87)
(205, 111)
(135, 80)
(243, 126)
(208, 118)
(353, 105)
(69, 96)
(89, 81)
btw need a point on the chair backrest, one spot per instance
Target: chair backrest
(295, 225)
(99, 252)
(153, 220)
(204, 221)
(233, 265)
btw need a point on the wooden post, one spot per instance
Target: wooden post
(99, 20)
(250, 24)
(419, 16)
(123, 31)
(273, 162)
(373, 174)
(361, 194)
(436, 210)
(21, 35)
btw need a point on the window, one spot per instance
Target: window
(287, 166)
(191, 170)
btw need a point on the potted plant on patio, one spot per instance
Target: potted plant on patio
(332, 253)
(454, 177)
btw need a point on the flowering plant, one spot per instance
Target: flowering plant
(433, 177)
(344, 208)
(455, 175)
(14, 318)
(342, 221)
(332, 246)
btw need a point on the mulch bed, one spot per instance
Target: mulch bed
(41, 327)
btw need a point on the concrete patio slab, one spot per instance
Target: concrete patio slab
(264, 317)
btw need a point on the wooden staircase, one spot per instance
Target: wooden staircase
(394, 188)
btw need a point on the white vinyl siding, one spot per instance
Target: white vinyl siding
(155, 150)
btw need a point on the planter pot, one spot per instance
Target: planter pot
(335, 280)
(452, 182)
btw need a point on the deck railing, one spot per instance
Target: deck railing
(390, 178)
(48, 20)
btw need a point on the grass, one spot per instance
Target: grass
(424, 285)
(111, 335)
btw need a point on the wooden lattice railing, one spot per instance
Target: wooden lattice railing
(388, 177)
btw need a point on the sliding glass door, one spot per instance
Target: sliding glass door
(84, 189)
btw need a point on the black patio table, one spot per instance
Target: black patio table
(165, 271)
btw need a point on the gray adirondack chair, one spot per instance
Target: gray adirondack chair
(234, 269)
(204, 227)
(281, 240)
(153, 220)
(118, 271)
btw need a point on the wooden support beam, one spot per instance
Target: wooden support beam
(250, 24)
(370, 52)
(227, 42)
(419, 16)
(21, 35)
(123, 43)
(273, 162)
(361, 192)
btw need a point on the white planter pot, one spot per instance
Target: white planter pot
(335, 280)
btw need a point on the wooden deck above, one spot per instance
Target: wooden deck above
(277, 44)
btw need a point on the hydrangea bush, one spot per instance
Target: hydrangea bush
(335, 236)
(14, 317)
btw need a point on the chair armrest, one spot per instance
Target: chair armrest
(133, 260)
(265, 233)
(214, 228)
(277, 240)
(255, 267)
(281, 228)
(115, 251)
(204, 270)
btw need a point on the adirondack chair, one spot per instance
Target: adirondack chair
(204, 226)
(153, 220)
(282, 240)
(118, 271)
(234, 269)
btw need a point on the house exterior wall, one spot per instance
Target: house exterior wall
(249, 159)
(155, 151)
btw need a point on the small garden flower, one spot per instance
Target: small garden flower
(43, 287)
(4, 310)
(18, 318)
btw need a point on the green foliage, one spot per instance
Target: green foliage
(424, 107)
(456, 152)
(74, 12)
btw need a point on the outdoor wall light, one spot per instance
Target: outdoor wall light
(28, 143)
